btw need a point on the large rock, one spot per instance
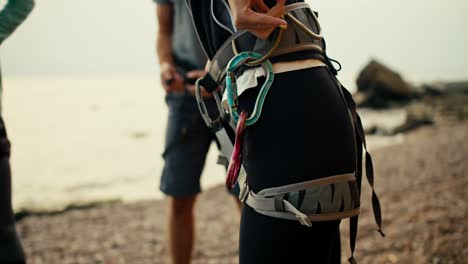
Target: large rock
(380, 87)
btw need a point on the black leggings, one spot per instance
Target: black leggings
(11, 250)
(304, 133)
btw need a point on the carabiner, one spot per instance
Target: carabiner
(211, 123)
(231, 85)
(235, 163)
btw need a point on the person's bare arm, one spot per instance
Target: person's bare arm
(256, 17)
(164, 14)
(171, 80)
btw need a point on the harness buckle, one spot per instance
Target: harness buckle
(244, 192)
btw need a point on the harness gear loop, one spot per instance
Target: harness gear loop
(304, 28)
(264, 57)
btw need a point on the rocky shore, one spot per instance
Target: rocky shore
(401, 106)
(422, 185)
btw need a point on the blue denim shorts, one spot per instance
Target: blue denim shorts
(188, 140)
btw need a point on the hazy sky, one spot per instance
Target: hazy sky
(421, 38)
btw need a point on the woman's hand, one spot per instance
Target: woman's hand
(256, 17)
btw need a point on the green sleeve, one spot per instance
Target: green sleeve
(14, 12)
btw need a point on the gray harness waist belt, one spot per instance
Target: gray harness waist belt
(325, 199)
(294, 39)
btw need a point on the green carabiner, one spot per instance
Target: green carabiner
(231, 85)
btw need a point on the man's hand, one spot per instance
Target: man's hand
(193, 75)
(170, 79)
(256, 17)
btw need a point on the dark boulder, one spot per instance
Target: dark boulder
(380, 87)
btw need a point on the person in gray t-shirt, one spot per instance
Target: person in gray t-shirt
(181, 60)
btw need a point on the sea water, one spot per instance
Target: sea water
(80, 140)
(76, 140)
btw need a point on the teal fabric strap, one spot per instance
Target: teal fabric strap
(14, 12)
(11, 16)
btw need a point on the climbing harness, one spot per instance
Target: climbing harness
(327, 198)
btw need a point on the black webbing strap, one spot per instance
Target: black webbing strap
(370, 178)
(353, 221)
(361, 145)
(369, 166)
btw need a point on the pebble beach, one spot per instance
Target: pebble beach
(421, 182)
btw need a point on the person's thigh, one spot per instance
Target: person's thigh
(304, 133)
(268, 240)
(11, 250)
